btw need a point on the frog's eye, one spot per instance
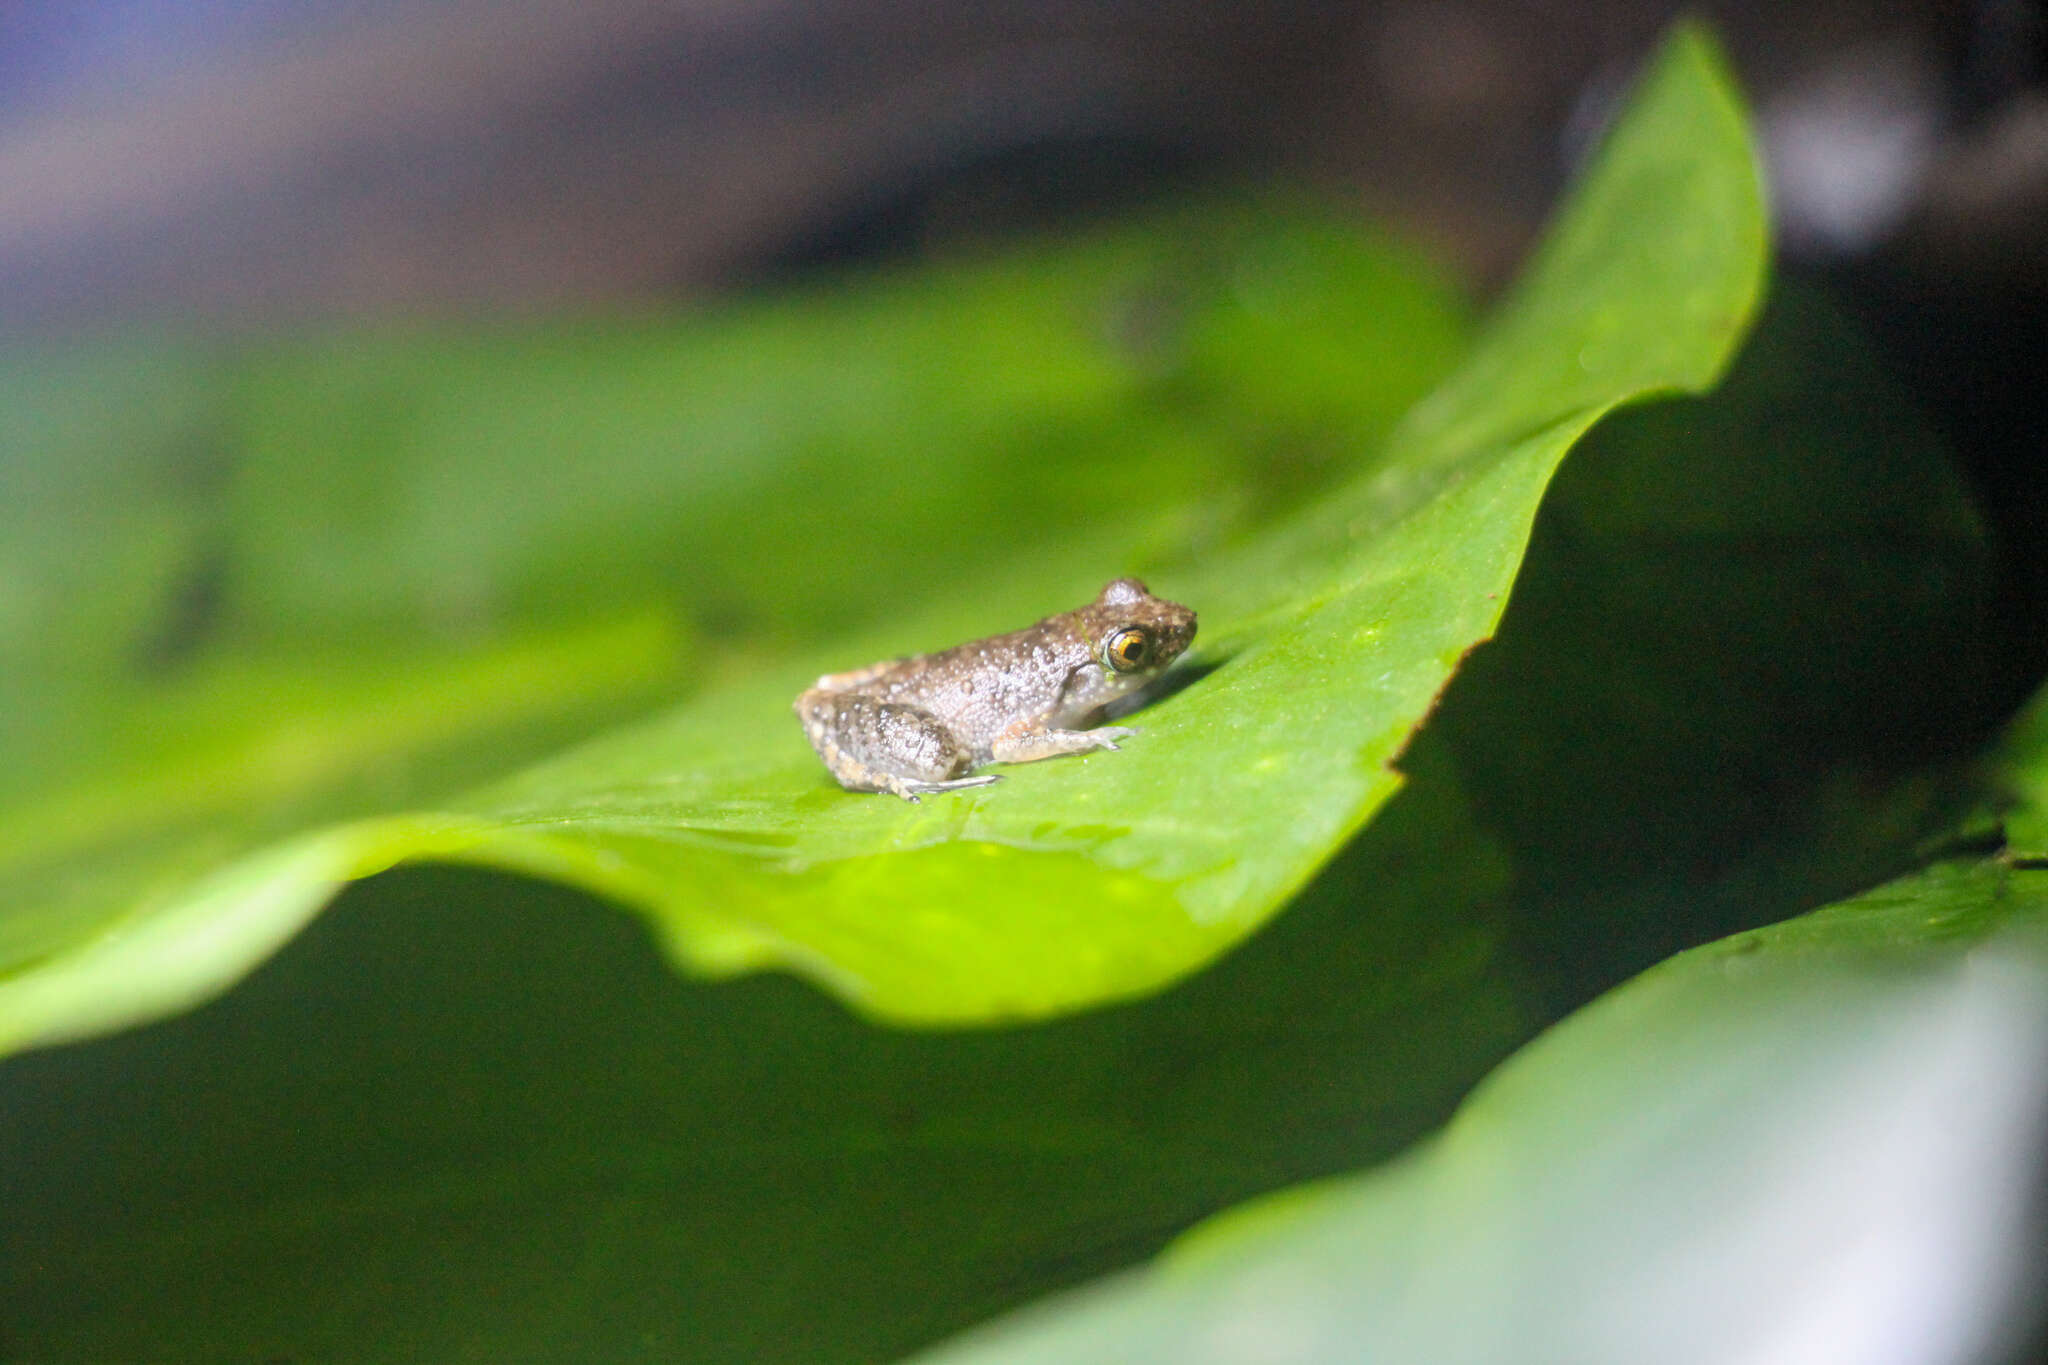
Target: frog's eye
(1127, 649)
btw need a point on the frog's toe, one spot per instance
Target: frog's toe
(981, 781)
(912, 788)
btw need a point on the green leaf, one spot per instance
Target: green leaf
(393, 492)
(467, 1116)
(2025, 764)
(338, 601)
(1817, 1139)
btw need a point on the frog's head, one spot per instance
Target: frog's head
(1134, 634)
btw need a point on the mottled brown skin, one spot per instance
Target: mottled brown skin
(918, 725)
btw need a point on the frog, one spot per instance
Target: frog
(914, 726)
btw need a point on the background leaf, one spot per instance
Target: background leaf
(1327, 635)
(2026, 771)
(1816, 1138)
(1729, 687)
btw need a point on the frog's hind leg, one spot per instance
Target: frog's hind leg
(879, 746)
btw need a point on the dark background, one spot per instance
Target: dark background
(254, 164)
(264, 160)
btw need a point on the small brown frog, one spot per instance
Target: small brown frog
(922, 724)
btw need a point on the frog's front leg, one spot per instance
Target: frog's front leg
(1028, 741)
(877, 746)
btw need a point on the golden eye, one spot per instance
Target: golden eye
(1126, 649)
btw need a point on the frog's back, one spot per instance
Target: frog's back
(981, 688)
